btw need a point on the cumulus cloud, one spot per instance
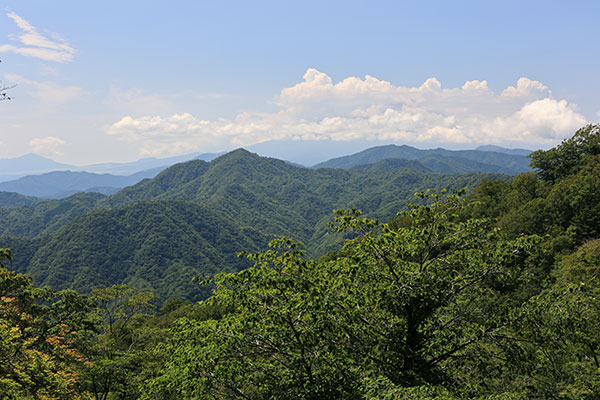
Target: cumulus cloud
(371, 109)
(47, 92)
(33, 43)
(48, 146)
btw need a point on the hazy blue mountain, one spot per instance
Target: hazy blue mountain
(459, 165)
(28, 164)
(439, 160)
(499, 149)
(145, 164)
(33, 164)
(61, 184)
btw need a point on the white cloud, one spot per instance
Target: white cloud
(49, 47)
(372, 109)
(47, 92)
(527, 88)
(48, 145)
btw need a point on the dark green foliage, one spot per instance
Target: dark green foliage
(398, 309)
(45, 217)
(492, 297)
(564, 159)
(158, 246)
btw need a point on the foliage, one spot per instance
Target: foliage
(399, 305)
(564, 159)
(39, 334)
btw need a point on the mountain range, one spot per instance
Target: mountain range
(193, 217)
(60, 184)
(33, 164)
(438, 160)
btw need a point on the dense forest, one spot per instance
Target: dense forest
(487, 293)
(194, 217)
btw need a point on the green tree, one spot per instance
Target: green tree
(118, 354)
(397, 310)
(563, 159)
(39, 333)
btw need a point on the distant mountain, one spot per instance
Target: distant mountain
(498, 149)
(33, 164)
(145, 164)
(439, 160)
(28, 164)
(61, 184)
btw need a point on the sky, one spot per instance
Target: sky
(116, 81)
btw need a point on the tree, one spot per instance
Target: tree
(562, 160)
(399, 310)
(39, 332)
(118, 353)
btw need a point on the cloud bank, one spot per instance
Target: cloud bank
(526, 114)
(48, 146)
(48, 47)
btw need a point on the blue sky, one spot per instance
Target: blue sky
(115, 81)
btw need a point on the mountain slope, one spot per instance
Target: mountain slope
(40, 218)
(11, 199)
(282, 198)
(499, 149)
(157, 246)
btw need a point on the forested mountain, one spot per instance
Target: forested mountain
(438, 160)
(158, 246)
(58, 241)
(59, 184)
(282, 198)
(42, 217)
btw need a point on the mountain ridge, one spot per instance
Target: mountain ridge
(505, 163)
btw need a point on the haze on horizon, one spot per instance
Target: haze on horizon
(117, 82)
